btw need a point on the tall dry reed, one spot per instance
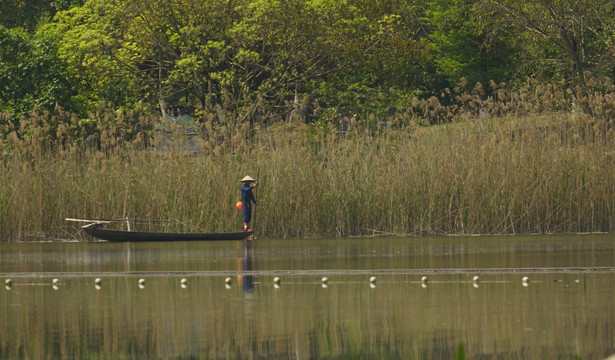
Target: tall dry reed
(534, 171)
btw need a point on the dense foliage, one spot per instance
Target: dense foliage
(258, 61)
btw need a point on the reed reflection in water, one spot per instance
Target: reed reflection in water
(557, 315)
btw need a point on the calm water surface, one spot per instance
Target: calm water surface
(172, 300)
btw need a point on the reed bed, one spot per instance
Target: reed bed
(529, 172)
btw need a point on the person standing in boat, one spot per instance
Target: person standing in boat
(247, 199)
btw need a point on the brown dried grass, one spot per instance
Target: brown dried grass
(528, 164)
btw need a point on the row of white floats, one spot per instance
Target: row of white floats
(55, 283)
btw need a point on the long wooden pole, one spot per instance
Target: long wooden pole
(256, 197)
(108, 221)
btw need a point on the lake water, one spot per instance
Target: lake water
(221, 300)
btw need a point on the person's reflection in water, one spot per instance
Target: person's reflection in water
(247, 281)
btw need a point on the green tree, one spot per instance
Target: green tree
(99, 58)
(28, 14)
(376, 54)
(168, 53)
(280, 49)
(31, 74)
(461, 49)
(283, 55)
(560, 39)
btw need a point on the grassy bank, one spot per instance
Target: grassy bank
(530, 174)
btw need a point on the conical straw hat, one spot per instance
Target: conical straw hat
(248, 178)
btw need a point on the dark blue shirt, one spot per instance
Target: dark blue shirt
(247, 197)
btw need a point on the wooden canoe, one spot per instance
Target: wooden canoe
(97, 231)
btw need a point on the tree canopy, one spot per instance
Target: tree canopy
(301, 58)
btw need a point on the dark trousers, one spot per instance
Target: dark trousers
(247, 211)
